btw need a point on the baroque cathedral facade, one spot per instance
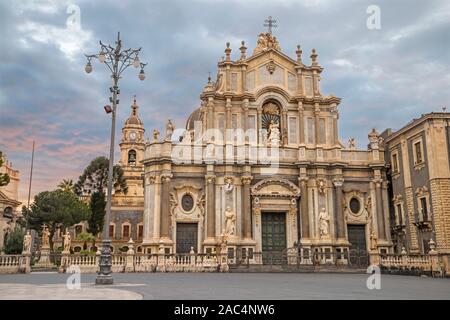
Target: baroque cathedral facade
(259, 165)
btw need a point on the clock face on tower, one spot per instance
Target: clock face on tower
(132, 136)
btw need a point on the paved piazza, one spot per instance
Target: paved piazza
(240, 286)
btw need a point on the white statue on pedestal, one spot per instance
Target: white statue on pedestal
(274, 134)
(67, 241)
(324, 225)
(27, 242)
(230, 222)
(45, 237)
(169, 130)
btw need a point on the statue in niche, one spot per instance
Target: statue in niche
(324, 223)
(67, 240)
(274, 134)
(230, 222)
(27, 242)
(169, 130)
(373, 240)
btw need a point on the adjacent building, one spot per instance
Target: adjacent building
(9, 200)
(418, 158)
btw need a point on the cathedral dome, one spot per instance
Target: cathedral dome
(195, 116)
(134, 119)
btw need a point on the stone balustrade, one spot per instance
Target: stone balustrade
(10, 263)
(411, 264)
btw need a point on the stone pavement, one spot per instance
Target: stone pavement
(226, 286)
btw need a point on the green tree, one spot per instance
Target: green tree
(4, 177)
(97, 217)
(56, 209)
(86, 237)
(95, 178)
(14, 241)
(94, 182)
(67, 185)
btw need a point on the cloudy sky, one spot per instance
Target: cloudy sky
(385, 77)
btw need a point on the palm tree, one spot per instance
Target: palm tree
(86, 237)
(67, 185)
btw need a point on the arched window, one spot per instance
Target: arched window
(132, 157)
(8, 212)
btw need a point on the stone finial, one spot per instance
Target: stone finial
(155, 135)
(243, 49)
(299, 54)
(404, 251)
(314, 57)
(228, 52)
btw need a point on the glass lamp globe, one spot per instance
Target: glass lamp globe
(142, 75)
(136, 62)
(102, 57)
(88, 67)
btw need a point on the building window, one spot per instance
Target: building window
(187, 202)
(293, 130)
(424, 208)
(399, 212)
(322, 132)
(418, 152)
(140, 231)
(78, 230)
(308, 86)
(125, 231)
(111, 231)
(221, 126)
(310, 130)
(355, 205)
(251, 129)
(394, 163)
(132, 157)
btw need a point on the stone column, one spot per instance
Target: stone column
(316, 124)
(380, 212)
(304, 207)
(339, 212)
(246, 212)
(165, 205)
(211, 205)
(301, 123)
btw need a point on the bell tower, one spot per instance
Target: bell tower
(132, 145)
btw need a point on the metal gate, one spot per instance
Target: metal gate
(186, 237)
(358, 255)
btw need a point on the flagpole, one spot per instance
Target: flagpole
(31, 176)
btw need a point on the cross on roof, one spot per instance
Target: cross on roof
(270, 23)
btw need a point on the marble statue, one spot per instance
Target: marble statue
(230, 222)
(352, 143)
(169, 130)
(186, 137)
(155, 135)
(67, 241)
(274, 133)
(45, 237)
(324, 223)
(27, 242)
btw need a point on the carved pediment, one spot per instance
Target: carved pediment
(275, 188)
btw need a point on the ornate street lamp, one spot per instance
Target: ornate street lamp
(117, 60)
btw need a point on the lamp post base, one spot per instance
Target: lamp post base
(104, 273)
(102, 279)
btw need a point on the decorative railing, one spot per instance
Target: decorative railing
(10, 263)
(412, 264)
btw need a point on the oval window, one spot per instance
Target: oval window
(187, 202)
(355, 205)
